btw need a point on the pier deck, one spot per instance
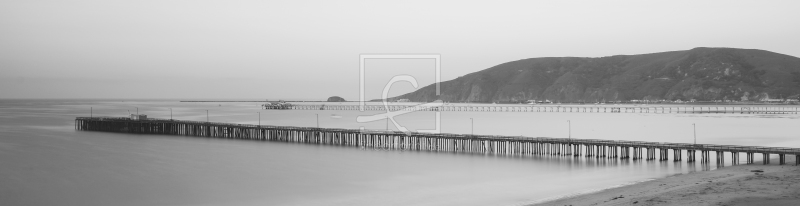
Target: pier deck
(488, 144)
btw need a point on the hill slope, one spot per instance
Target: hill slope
(699, 73)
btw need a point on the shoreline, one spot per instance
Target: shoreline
(585, 192)
(731, 185)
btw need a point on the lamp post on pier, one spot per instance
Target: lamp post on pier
(694, 128)
(569, 128)
(569, 124)
(471, 126)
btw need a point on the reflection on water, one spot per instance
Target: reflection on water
(46, 162)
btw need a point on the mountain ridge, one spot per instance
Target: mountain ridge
(702, 73)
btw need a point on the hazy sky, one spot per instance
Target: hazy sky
(310, 49)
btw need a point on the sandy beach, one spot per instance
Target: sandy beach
(754, 184)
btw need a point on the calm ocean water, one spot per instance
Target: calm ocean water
(44, 161)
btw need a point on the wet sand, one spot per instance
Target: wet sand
(731, 185)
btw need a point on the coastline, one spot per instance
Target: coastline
(731, 185)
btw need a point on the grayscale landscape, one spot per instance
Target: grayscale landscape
(399, 103)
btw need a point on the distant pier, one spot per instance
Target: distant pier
(537, 108)
(460, 143)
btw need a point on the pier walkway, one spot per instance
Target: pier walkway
(484, 144)
(554, 108)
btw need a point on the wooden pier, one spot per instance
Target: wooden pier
(550, 108)
(461, 143)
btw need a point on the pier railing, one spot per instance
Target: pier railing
(430, 141)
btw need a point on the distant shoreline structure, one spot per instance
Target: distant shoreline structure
(249, 101)
(563, 103)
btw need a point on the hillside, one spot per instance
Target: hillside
(703, 74)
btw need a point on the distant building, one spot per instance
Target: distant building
(138, 117)
(772, 100)
(403, 100)
(280, 104)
